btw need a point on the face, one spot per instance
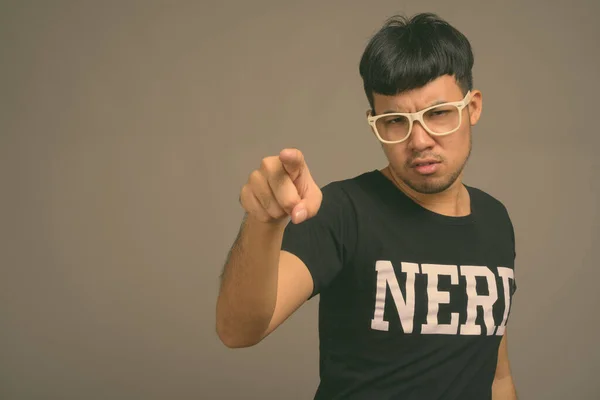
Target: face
(449, 152)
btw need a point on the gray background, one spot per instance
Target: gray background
(127, 129)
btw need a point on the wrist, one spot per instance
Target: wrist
(273, 226)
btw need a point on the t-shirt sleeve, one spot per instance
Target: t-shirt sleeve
(514, 250)
(324, 242)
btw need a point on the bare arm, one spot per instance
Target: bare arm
(503, 387)
(261, 286)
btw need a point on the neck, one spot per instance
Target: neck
(453, 202)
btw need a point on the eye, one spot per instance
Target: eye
(395, 120)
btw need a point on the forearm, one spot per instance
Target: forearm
(248, 289)
(504, 389)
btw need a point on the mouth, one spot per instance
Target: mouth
(426, 167)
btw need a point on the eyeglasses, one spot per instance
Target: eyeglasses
(439, 120)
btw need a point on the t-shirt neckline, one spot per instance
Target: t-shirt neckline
(388, 186)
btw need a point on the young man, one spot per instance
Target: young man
(415, 270)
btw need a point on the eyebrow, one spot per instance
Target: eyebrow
(435, 103)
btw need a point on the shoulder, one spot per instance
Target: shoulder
(490, 208)
(486, 201)
(492, 211)
(350, 188)
(344, 198)
(348, 195)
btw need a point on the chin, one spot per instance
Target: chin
(430, 184)
(428, 188)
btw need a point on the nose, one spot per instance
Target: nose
(420, 139)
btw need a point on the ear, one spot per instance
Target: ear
(475, 106)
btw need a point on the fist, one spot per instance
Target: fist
(281, 187)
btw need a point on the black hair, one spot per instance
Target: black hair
(407, 53)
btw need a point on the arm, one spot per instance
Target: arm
(261, 285)
(503, 387)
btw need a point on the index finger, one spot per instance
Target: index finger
(293, 162)
(284, 190)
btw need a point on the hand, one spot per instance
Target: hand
(281, 187)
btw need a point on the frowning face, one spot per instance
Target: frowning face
(429, 163)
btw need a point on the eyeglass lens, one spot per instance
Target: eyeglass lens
(439, 120)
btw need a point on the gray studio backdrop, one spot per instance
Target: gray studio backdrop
(127, 129)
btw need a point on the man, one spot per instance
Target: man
(415, 270)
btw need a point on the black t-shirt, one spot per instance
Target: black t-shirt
(413, 304)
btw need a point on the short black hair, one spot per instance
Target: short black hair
(407, 53)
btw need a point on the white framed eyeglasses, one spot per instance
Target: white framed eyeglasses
(439, 120)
